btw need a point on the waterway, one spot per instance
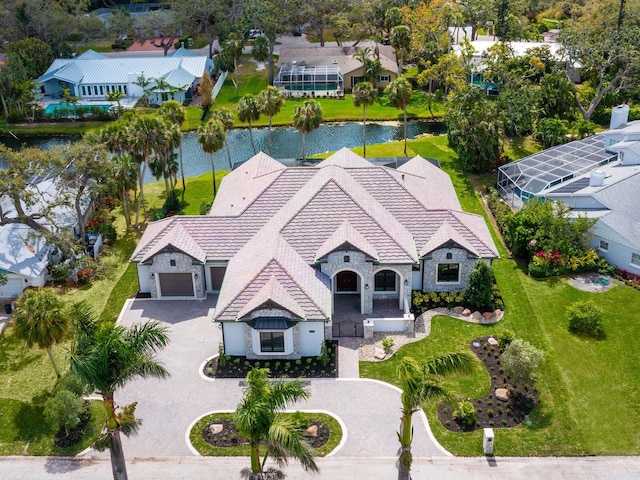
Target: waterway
(286, 142)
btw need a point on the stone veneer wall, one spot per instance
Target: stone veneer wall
(294, 355)
(357, 263)
(430, 270)
(184, 264)
(403, 272)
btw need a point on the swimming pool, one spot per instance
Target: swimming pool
(60, 108)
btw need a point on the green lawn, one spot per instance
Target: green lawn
(587, 388)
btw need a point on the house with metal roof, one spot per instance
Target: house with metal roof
(598, 177)
(92, 76)
(23, 259)
(282, 246)
(330, 71)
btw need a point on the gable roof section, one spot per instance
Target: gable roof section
(345, 158)
(346, 234)
(272, 291)
(176, 238)
(254, 266)
(443, 235)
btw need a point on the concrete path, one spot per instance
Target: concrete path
(332, 468)
(368, 409)
(348, 360)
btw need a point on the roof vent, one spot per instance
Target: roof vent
(335, 61)
(293, 62)
(619, 116)
(596, 178)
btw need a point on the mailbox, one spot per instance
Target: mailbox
(487, 441)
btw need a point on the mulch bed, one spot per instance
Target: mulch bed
(229, 436)
(310, 367)
(62, 440)
(491, 412)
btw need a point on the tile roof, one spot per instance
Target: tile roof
(349, 235)
(177, 238)
(272, 291)
(443, 235)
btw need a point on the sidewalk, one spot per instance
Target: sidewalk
(345, 468)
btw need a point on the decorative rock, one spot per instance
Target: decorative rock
(466, 312)
(476, 316)
(379, 354)
(492, 341)
(312, 431)
(487, 316)
(502, 394)
(497, 312)
(458, 310)
(215, 428)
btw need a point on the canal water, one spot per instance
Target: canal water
(286, 142)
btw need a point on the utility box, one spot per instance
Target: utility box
(487, 441)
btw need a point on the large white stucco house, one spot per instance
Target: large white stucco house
(281, 244)
(92, 75)
(598, 177)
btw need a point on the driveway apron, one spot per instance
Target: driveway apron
(370, 410)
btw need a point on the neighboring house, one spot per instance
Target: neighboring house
(91, 76)
(330, 69)
(279, 243)
(598, 177)
(23, 258)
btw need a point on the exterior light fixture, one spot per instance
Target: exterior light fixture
(366, 286)
(406, 282)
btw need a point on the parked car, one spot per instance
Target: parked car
(255, 33)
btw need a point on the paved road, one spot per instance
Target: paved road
(333, 468)
(368, 409)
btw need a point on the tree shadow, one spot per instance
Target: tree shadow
(30, 423)
(57, 465)
(14, 355)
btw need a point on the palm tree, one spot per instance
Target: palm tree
(106, 356)
(175, 113)
(399, 93)
(306, 118)
(116, 96)
(212, 137)
(419, 383)
(371, 66)
(260, 419)
(364, 94)
(270, 101)
(163, 164)
(232, 47)
(39, 320)
(248, 111)
(225, 117)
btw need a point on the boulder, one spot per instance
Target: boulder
(466, 312)
(312, 431)
(502, 394)
(476, 316)
(216, 428)
(379, 354)
(492, 341)
(497, 312)
(487, 316)
(457, 310)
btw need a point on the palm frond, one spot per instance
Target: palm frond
(462, 362)
(285, 440)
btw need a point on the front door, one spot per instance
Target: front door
(347, 282)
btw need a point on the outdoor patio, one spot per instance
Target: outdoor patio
(347, 319)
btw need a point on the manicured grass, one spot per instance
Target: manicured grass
(587, 388)
(195, 436)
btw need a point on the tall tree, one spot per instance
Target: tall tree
(399, 93)
(212, 136)
(232, 48)
(206, 91)
(306, 118)
(370, 61)
(364, 94)
(270, 101)
(260, 419)
(120, 24)
(106, 357)
(225, 117)
(173, 112)
(401, 42)
(34, 55)
(163, 163)
(160, 28)
(40, 320)
(249, 111)
(202, 16)
(419, 383)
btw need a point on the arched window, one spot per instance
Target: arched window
(385, 281)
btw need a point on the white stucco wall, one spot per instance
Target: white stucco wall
(144, 277)
(311, 338)
(234, 334)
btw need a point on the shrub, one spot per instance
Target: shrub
(59, 271)
(324, 356)
(521, 361)
(504, 339)
(299, 420)
(62, 411)
(465, 414)
(387, 344)
(479, 293)
(585, 318)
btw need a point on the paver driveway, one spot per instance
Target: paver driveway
(370, 410)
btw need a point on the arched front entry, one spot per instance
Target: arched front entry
(389, 284)
(347, 290)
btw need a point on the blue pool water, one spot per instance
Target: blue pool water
(58, 107)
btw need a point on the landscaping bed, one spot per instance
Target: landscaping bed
(65, 439)
(232, 366)
(489, 411)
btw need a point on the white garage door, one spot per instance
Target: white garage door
(176, 285)
(12, 288)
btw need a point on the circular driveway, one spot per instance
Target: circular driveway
(369, 409)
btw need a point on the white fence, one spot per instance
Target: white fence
(218, 86)
(390, 324)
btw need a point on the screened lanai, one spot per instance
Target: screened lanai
(319, 80)
(521, 180)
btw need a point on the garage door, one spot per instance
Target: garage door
(176, 285)
(12, 288)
